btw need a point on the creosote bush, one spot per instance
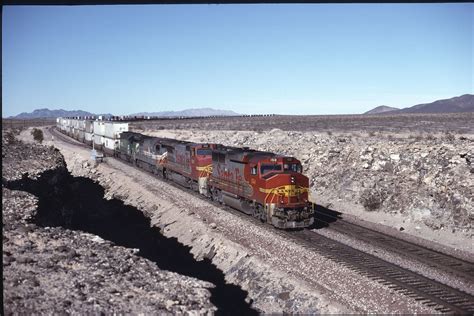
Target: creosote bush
(372, 199)
(449, 137)
(37, 135)
(10, 137)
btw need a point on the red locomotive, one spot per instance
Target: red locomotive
(265, 185)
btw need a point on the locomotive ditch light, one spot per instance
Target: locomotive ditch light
(273, 159)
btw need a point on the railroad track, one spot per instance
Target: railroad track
(435, 259)
(439, 296)
(65, 138)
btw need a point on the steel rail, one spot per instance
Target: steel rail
(430, 292)
(430, 257)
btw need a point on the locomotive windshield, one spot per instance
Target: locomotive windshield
(266, 168)
(204, 151)
(295, 167)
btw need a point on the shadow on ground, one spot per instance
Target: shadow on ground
(324, 217)
(78, 204)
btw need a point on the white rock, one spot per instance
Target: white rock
(395, 157)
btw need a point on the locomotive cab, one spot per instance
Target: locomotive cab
(286, 192)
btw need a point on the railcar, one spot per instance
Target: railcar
(187, 163)
(265, 185)
(128, 146)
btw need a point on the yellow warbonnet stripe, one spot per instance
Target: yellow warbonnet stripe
(289, 190)
(204, 171)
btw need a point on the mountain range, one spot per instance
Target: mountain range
(463, 103)
(47, 113)
(189, 113)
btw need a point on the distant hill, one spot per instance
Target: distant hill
(463, 103)
(189, 113)
(381, 109)
(47, 113)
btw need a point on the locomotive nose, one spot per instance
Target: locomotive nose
(286, 188)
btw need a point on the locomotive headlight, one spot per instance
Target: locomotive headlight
(292, 180)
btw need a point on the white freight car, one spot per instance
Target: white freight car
(99, 131)
(88, 131)
(111, 135)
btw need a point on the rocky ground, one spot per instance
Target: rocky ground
(420, 185)
(415, 124)
(50, 269)
(277, 274)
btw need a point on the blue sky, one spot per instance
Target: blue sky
(276, 58)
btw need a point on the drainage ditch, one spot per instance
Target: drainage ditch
(77, 203)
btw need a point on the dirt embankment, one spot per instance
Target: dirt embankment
(422, 185)
(53, 264)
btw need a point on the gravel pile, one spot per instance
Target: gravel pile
(56, 270)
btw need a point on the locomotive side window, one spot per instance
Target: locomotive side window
(268, 168)
(253, 170)
(221, 158)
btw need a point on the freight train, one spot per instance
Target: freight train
(268, 186)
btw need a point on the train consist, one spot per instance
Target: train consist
(265, 185)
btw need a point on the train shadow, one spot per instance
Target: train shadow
(324, 217)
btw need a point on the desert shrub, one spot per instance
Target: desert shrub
(10, 137)
(430, 137)
(372, 134)
(372, 199)
(37, 135)
(329, 133)
(449, 137)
